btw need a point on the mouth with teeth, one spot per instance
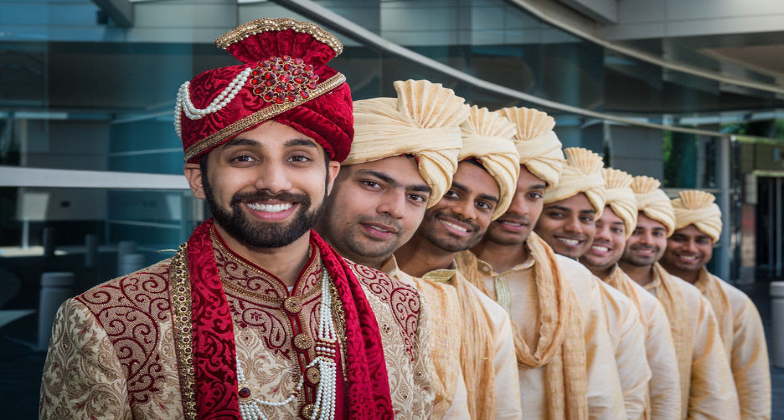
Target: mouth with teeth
(569, 241)
(689, 258)
(455, 227)
(513, 225)
(599, 249)
(379, 230)
(271, 211)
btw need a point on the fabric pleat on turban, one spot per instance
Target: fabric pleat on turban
(487, 136)
(423, 121)
(620, 197)
(653, 202)
(284, 78)
(694, 207)
(582, 173)
(538, 146)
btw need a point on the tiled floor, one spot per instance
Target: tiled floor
(21, 365)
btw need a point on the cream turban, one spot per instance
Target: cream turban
(653, 202)
(697, 208)
(582, 173)
(487, 136)
(538, 146)
(620, 197)
(424, 121)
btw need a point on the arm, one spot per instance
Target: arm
(507, 386)
(749, 362)
(712, 394)
(82, 377)
(423, 367)
(665, 384)
(630, 357)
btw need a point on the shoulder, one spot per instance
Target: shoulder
(579, 277)
(739, 301)
(143, 291)
(380, 284)
(690, 292)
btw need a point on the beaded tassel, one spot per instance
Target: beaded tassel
(326, 352)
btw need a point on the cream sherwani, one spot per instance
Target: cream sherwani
(605, 395)
(508, 404)
(744, 340)
(711, 391)
(664, 395)
(628, 338)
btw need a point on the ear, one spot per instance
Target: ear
(332, 172)
(193, 174)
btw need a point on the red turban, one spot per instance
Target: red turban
(284, 78)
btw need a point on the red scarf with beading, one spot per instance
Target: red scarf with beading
(214, 358)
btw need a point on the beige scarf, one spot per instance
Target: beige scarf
(560, 348)
(711, 288)
(477, 352)
(669, 294)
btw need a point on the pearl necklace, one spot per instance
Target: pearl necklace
(184, 100)
(326, 351)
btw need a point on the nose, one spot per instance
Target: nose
(573, 225)
(690, 246)
(465, 209)
(393, 204)
(646, 238)
(602, 232)
(518, 206)
(272, 177)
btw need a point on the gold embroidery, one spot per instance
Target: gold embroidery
(258, 26)
(180, 293)
(339, 319)
(260, 116)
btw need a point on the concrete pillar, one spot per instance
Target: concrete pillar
(777, 323)
(56, 287)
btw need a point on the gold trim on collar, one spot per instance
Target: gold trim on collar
(260, 116)
(258, 26)
(443, 275)
(180, 295)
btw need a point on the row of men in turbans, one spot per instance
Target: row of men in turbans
(507, 277)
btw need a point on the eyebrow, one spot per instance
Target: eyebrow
(463, 188)
(238, 141)
(537, 187)
(393, 182)
(241, 141)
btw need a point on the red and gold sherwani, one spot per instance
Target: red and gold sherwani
(121, 349)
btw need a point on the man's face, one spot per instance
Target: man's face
(461, 218)
(608, 242)
(516, 224)
(266, 187)
(375, 208)
(568, 225)
(647, 243)
(688, 249)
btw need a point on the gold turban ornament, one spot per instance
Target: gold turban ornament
(620, 197)
(423, 121)
(653, 202)
(582, 173)
(487, 136)
(539, 148)
(697, 208)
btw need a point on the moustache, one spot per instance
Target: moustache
(523, 220)
(383, 220)
(251, 197)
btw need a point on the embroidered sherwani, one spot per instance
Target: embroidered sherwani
(743, 336)
(502, 347)
(114, 353)
(664, 394)
(709, 386)
(604, 393)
